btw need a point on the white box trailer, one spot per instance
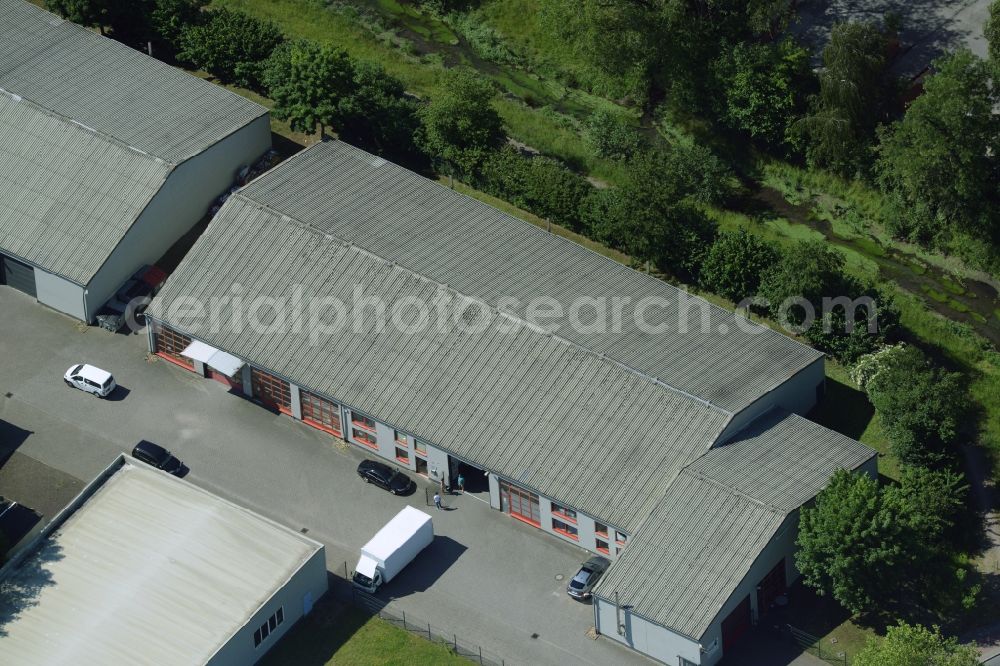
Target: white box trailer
(392, 548)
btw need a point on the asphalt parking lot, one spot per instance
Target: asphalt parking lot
(487, 578)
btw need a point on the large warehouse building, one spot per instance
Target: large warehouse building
(608, 437)
(107, 157)
(144, 568)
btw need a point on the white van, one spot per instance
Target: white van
(90, 379)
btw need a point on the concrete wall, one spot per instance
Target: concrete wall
(304, 588)
(184, 199)
(797, 394)
(59, 293)
(645, 636)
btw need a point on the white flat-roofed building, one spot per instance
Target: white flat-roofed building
(143, 567)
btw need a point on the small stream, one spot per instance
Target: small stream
(974, 302)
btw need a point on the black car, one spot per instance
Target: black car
(157, 456)
(586, 578)
(385, 477)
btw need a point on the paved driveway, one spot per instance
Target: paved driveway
(487, 578)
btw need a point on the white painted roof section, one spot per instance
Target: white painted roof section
(149, 570)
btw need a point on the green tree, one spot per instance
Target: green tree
(853, 98)
(611, 137)
(168, 19)
(849, 546)
(307, 81)
(920, 407)
(735, 264)
(908, 645)
(940, 161)
(377, 115)
(91, 13)
(809, 270)
(461, 126)
(764, 88)
(991, 30)
(232, 46)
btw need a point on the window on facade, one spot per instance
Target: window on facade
(402, 455)
(271, 390)
(320, 412)
(362, 421)
(420, 447)
(602, 546)
(565, 529)
(520, 503)
(268, 627)
(620, 538)
(401, 439)
(563, 512)
(364, 437)
(601, 530)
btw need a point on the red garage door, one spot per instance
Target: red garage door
(272, 391)
(168, 344)
(735, 625)
(320, 413)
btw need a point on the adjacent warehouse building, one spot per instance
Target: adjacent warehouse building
(143, 567)
(107, 157)
(587, 432)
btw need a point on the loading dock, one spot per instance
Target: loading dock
(18, 275)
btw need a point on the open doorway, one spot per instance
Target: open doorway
(476, 480)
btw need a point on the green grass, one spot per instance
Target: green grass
(354, 638)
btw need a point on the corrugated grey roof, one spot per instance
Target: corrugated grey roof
(690, 554)
(148, 570)
(489, 255)
(782, 459)
(537, 409)
(113, 88)
(67, 194)
(718, 515)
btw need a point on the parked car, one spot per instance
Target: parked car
(157, 456)
(90, 379)
(385, 477)
(586, 578)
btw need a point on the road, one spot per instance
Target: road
(487, 578)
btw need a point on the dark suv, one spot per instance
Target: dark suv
(158, 457)
(385, 477)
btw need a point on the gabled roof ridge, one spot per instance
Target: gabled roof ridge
(604, 357)
(733, 491)
(21, 99)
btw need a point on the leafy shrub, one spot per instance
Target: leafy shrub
(484, 39)
(232, 46)
(869, 365)
(921, 407)
(735, 264)
(611, 137)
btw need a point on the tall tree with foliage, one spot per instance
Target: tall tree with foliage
(232, 46)
(377, 115)
(854, 95)
(764, 88)
(883, 549)
(940, 162)
(307, 81)
(991, 30)
(810, 270)
(849, 546)
(461, 125)
(90, 13)
(909, 645)
(735, 264)
(920, 407)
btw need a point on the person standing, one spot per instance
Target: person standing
(437, 500)
(461, 483)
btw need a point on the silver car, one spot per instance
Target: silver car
(586, 578)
